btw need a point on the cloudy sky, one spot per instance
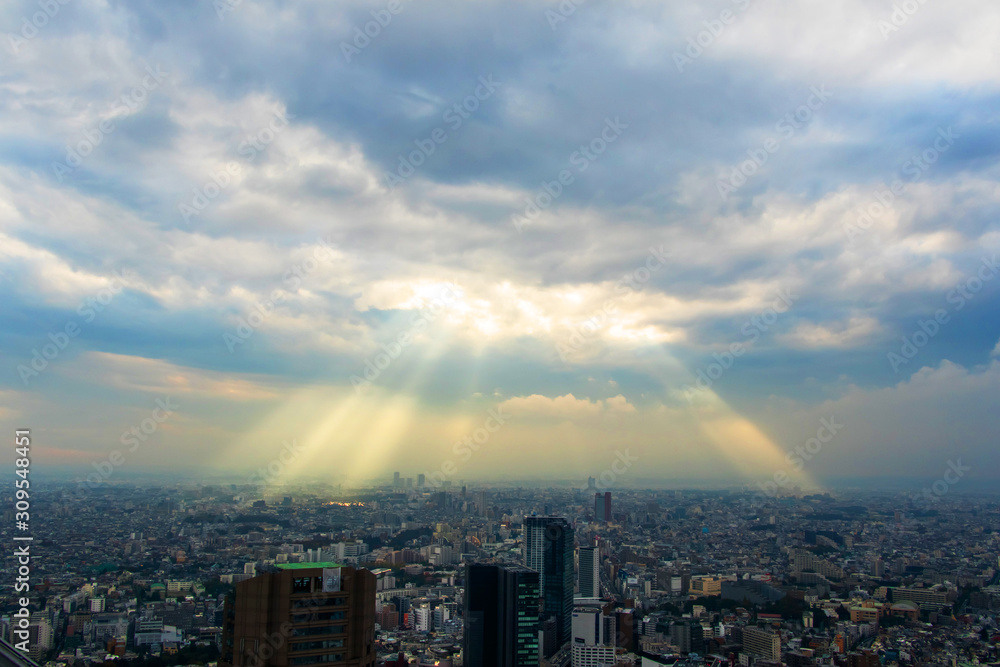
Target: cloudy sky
(493, 240)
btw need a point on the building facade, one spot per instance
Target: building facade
(590, 574)
(501, 616)
(315, 614)
(548, 549)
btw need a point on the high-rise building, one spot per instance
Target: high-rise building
(501, 616)
(420, 480)
(481, 503)
(689, 637)
(594, 635)
(602, 506)
(316, 614)
(548, 549)
(762, 643)
(40, 635)
(590, 574)
(423, 618)
(396, 481)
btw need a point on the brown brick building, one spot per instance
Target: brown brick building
(301, 615)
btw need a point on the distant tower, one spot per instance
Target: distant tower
(420, 480)
(602, 506)
(396, 482)
(591, 484)
(481, 503)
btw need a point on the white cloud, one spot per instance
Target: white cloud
(854, 332)
(565, 407)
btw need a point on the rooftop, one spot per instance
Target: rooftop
(305, 566)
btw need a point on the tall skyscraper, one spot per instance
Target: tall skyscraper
(590, 575)
(548, 549)
(602, 506)
(316, 614)
(396, 481)
(421, 478)
(501, 616)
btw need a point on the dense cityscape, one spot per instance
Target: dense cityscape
(133, 575)
(500, 333)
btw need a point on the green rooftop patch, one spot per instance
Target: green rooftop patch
(304, 566)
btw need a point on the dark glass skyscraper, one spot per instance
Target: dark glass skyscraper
(590, 576)
(501, 616)
(548, 548)
(602, 506)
